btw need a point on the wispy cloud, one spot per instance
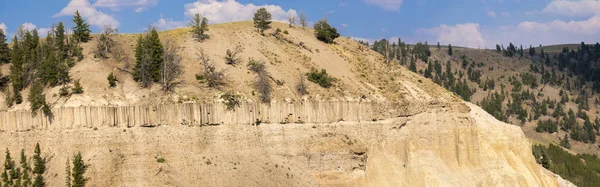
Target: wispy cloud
(115, 5)
(94, 16)
(573, 8)
(391, 5)
(491, 13)
(231, 10)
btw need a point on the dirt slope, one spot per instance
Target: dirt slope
(447, 143)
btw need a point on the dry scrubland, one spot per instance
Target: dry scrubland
(442, 141)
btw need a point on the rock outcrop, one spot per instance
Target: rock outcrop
(437, 147)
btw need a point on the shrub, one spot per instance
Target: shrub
(160, 160)
(320, 77)
(285, 32)
(324, 31)
(231, 100)
(233, 57)
(256, 66)
(199, 25)
(301, 87)
(213, 77)
(262, 84)
(77, 89)
(64, 91)
(112, 80)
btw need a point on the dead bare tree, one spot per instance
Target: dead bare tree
(291, 19)
(172, 69)
(213, 77)
(105, 42)
(233, 57)
(303, 20)
(301, 87)
(263, 86)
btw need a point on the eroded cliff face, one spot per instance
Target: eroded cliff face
(459, 145)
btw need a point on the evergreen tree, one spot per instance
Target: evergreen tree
(36, 98)
(16, 68)
(78, 171)
(25, 179)
(77, 89)
(81, 31)
(9, 170)
(5, 52)
(450, 49)
(262, 20)
(68, 174)
(59, 41)
(39, 167)
(439, 46)
(413, 66)
(199, 25)
(149, 58)
(325, 32)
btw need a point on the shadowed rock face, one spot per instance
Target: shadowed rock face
(437, 147)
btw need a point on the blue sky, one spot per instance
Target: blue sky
(473, 23)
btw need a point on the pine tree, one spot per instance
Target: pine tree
(450, 49)
(59, 41)
(5, 52)
(39, 167)
(262, 20)
(68, 174)
(36, 98)
(25, 179)
(16, 68)
(78, 171)
(199, 25)
(81, 31)
(413, 66)
(325, 32)
(149, 58)
(77, 89)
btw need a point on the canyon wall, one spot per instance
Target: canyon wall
(195, 114)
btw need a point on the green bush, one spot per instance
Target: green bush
(77, 89)
(324, 31)
(320, 77)
(112, 80)
(231, 100)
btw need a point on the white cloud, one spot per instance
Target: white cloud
(29, 26)
(344, 25)
(4, 27)
(42, 32)
(384, 30)
(167, 24)
(467, 34)
(573, 8)
(115, 5)
(94, 16)
(392, 5)
(505, 14)
(491, 13)
(230, 10)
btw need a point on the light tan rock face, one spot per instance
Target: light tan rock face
(442, 146)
